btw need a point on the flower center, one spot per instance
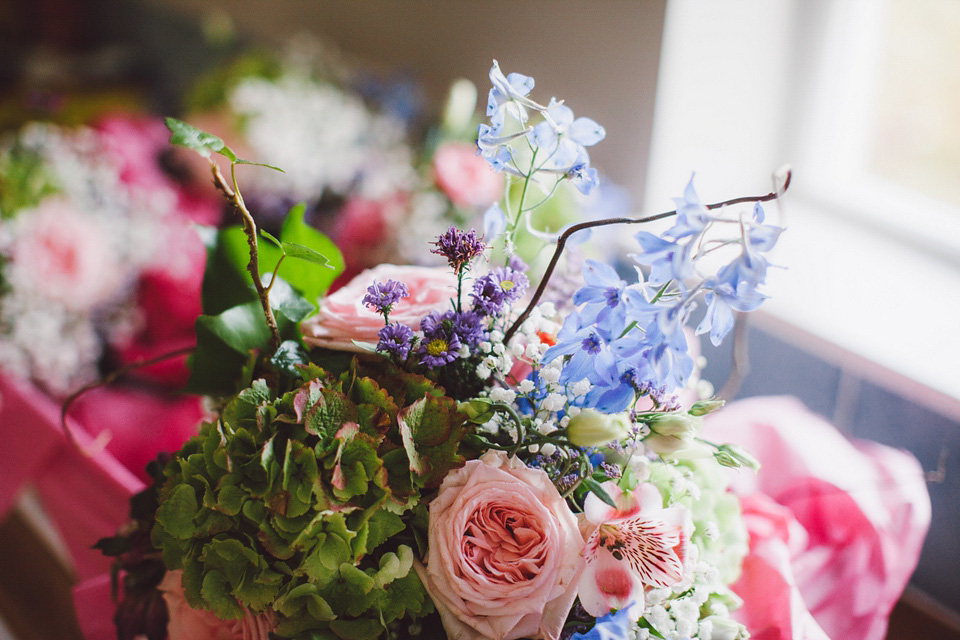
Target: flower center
(591, 344)
(507, 285)
(437, 347)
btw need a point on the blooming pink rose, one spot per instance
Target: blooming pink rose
(465, 177)
(61, 254)
(343, 317)
(190, 624)
(504, 555)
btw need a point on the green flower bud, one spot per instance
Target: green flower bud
(460, 107)
(590, 428)
(477, 410)
(730, 455)
(678, 425)
(703, 407)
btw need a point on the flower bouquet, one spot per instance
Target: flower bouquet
(439, 450)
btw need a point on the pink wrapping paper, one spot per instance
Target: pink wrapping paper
(836, 526)
(86, 495)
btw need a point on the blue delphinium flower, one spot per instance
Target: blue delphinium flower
(382, 296)
(497, 288)
(588, 348)
(561, 138)
(613, 626)
(440, 344)
(396, 339)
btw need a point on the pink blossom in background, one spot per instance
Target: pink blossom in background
(504, 552)
(361, 231)
(61, 254)
(138, 143)
(343, 317)
(169, 298)
(466, 178)
(192, 624)
(649, 540)
(836, 526)
(139, 424)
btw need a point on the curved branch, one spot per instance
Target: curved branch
(562, 241)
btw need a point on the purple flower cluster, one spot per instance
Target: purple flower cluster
(497, 288)
(459, 247)
(382, 296)
(396, 340)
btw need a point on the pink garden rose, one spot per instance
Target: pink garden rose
(62, 255)
(465, 177)
(504, 555)
(190, 624)
(343, 317)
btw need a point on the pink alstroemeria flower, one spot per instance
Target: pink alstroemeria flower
(636, 545)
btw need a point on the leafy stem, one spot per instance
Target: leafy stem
(253, 265)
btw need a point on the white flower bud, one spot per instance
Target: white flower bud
(590, 428)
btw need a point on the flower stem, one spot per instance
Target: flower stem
(253, 266)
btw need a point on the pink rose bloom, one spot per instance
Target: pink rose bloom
(504, 555)
(190, 624)
(61, 254)
(343, 317)
(465, 177)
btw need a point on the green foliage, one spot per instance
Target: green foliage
(299, 501)
(24, 181)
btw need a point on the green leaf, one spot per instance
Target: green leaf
(258, 164)
(186, 135)
(177, 512)
(301, 252)
(360, 629)
(431, 429)
(216, 594)
(599, 491)
(270, 237)
(303, 274)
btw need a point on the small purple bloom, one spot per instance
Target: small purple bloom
(459, 247)
(468, 326)
(498, 287)
(382, 296)
(440, 344)
(396, 339)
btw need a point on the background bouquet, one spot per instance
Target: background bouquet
(443, 447)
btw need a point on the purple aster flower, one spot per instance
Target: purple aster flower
(468, 326)
(459, 247)
(382, 296)
(396, 339)
(440, 344)
(500, 286)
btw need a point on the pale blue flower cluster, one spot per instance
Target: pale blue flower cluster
(628, 340)
(555, 145)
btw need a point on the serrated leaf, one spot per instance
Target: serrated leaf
(176, 514)
(216, 595)
(186, 135)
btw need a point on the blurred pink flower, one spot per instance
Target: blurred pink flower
(504, 552)
(187, 623)
(465, 177)
(60, 253)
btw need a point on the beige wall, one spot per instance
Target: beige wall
(600, 56)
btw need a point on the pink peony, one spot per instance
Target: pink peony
(343, 317)
(504, 555)
(636, 545)
(61, 254)
(465, 177)
(190, 624)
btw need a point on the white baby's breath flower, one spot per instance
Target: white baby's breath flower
(581, 387)
(526, 386)
(550, 373)
(499, 394)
